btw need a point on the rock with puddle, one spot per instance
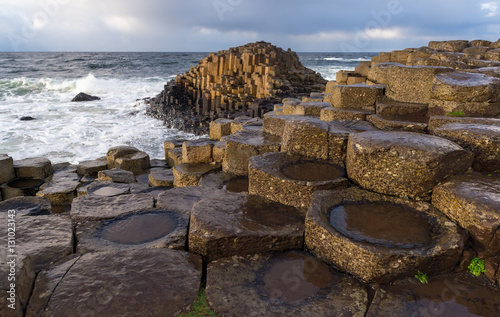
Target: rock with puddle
(454, 295)
(380, 238)
(106, 189)
(20, 187)
(223, 180)
(231, 224)
(33, 206)
(292, 180)
(151, 282)
(283, 284)
(151, 228)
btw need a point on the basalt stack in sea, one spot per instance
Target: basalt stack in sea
(244, 80)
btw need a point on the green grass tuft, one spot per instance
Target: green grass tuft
(422, 277)
(455, 114)
(476, 266)
(200, 307)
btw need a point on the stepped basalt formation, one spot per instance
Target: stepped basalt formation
(337, 204)
(246, 79)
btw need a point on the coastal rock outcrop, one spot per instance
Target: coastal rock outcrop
(84, 97)
(245, 79)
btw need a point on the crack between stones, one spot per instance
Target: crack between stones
(31, 294)
(370, 300)
(62, 278)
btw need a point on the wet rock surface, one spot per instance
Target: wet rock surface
(81, 97)
(403, 163)
(117, 175)
(449, 295)
(245, 144)
(37, 167)
(20, 187)
(182, 199)
(92, 208)
(44, 238)
(473, 201)
(7, 172)
(107, 189)
(24, 278)
(154, 282)
(482, 140)
(286, 284)
(33, 206)
(237, 224)
(350, 230)
(150, 228)
(292, 180)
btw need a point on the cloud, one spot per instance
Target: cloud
(491, 7)
(201, 25)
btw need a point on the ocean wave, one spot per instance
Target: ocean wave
(341, 59)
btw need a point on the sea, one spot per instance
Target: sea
(41, 86)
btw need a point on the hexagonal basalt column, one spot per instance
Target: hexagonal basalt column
(128, 158)
(241, 146)
(473, 201)
(149, 228)
(7, 172)
(482, 140)
(231, 224)
(403, 164)
(190, 174)
(315, 139)
(20, 187)
(283, 284)
(292, 180)
(380, 238)
(154, 282)
(37, 167)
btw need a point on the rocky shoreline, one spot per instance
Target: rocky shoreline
(378, 196)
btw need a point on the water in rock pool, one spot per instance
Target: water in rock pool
(41, 85)
(383, 224)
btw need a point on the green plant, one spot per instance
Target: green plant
(422, 277)
(476, 266)
(455, 114)
(200, 307)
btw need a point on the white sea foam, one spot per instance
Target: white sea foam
(341, 59)
(66, 131)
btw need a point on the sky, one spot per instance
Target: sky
(213, 25)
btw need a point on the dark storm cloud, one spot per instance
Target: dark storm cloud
(207, 25)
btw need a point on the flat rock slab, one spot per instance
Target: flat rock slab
(356, 96)
(439, 121)
(284, 284)
(37, 167)
(245, 144)
(238, 224)
(482, 140)
(182, 199)
(397, 123)
(292, 180)
(91, 167)
(331, 114)
(222, 180)
(186, 174)
(162, 177)
(33, 206)
(60, 193)
(311, 108)
(473, 201)
(350, 230)
(107, 189)
(92, 208)
(452, 295)
(150, 228)
(197, 151)
(46, 239)
(151, 282)
(403, 164)
(117, 175)
(466, 87)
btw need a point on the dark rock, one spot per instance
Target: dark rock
(284, 284)
(27, 118)
(84, 97)
(150, 282)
